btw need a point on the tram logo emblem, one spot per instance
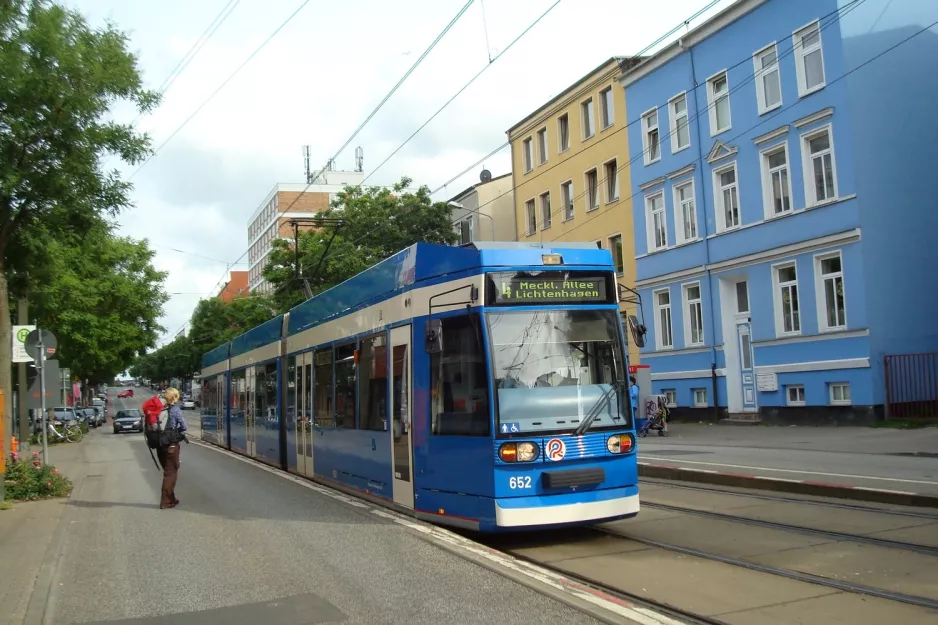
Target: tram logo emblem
(556, 450)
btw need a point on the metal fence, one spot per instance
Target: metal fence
(911, 386)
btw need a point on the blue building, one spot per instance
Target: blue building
(785, 217)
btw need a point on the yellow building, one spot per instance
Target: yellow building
(571, 174)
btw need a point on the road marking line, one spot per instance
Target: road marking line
(740, 466)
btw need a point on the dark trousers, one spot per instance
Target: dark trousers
(169, 460)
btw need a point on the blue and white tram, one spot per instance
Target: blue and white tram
(482, 386)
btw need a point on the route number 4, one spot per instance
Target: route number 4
(519, 482)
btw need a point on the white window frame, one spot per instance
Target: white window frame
(718, 198)
(711, 103)
(606, 185)
(699, 403)
(777, 299)
(646, 131)
(840, 402)
(679, 221)
(561, 148)
(650, 221)
(807, 164)
(688, 304)
(800, 53)
(593, 200)
(670, 395)
(530, 217)
(546, 217)
(674, 119)
(768, 197)
(659, 337)
(820, 289)
(607, 108)
(527, 154)
(612, 250)
(794, 402)
(541, 149)
(587, 117)
(761, 75)
(569, 208)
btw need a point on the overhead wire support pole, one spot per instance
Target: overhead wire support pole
(299, 276)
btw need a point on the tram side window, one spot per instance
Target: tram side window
(458, 382)
(345, 386)
(373, 383)
(291, 391)
(259, 409)
(323, 391)
(271, 413)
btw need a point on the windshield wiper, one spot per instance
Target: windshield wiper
(595, 410)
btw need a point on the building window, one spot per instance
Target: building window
(542, 146)
(566, 196)
(795, 394)
(592, 189)
(788, 312)
(840, 394)
(612, 180)
(545, 211)
(670, 397)
(686, 214)
(465, 231)
(615, 246)
(663, 317)
(820, 178)
(658, 239)
(606, 103)
(586, 111)
(460, 407)
(830, 283)
(776, 183)
(768, 80)
(563, 133)
(727, 199)
(693, 324)
(680, 130)
(809, 59)
(530, 217)
(742, 297)
(718, 101)
(599, 244)
(700, 397)
(526, 148)
(650, 137)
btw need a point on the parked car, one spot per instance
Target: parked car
(87, 415)
(128, 393)
(187, 403)
(128, 421)
(67, 414)
(100, 415)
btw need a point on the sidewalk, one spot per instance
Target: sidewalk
(872, 464)
(26, 535)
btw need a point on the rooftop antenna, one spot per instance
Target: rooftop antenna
(359, 159)
(306, 164)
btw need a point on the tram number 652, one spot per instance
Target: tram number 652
(523, 481)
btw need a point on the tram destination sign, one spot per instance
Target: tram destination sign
(523, 290)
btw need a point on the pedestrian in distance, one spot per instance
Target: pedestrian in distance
(633, 395)
(170, 432)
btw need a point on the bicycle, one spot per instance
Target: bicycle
(71, 432)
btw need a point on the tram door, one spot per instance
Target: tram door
(220, 407)
(400, 405)
(304, 408)
(250, 418)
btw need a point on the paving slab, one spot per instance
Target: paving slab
(834, 609)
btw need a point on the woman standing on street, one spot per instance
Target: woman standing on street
(169, 454)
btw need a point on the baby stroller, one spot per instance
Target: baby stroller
(656, 416)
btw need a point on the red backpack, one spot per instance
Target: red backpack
(152, 409)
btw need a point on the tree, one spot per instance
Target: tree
(58, 79)
(378, 222)
(102, 299)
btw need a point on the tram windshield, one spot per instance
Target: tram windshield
(556, 369)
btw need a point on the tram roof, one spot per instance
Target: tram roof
(429, 263)
(215, 356)
(264, 334)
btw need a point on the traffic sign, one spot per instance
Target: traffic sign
(51, 374)
(19, 343)
(49, 343)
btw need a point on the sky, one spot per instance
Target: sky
(316, 81)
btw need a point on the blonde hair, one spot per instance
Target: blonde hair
(171, 395)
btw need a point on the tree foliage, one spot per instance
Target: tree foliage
(59, 78)
(377, 223)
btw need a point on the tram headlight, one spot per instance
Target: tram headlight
(519, 452)
(620, 444)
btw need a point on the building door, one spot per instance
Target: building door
(250, 402)
(400, 405)
(747, 374)
(304, 401)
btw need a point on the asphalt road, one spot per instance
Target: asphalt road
(867, 457)
(246, 547)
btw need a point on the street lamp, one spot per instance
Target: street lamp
(460, 206)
